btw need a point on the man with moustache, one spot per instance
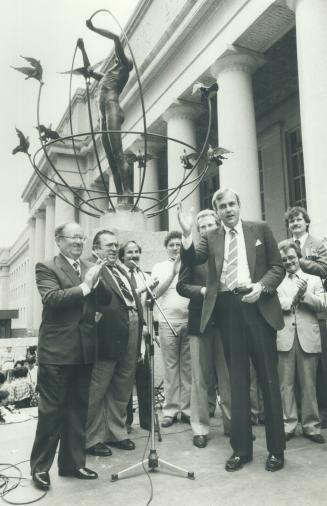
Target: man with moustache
(66, 351)
(313, 261)
(129, 255)
(119, 337)
(244, 270)
(206, 348)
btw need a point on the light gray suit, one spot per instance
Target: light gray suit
(299, 346)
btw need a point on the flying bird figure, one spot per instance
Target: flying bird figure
(23, 145)
(186, 160)
(140, 159)
(217, 154)
(33, 72)
(46, 134)
(207, 92)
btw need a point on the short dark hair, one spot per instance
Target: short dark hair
(20, 372)
(295, 211)
(2, 378)
(121, 252)
(98, 235)
(174, 234)
(287, 244)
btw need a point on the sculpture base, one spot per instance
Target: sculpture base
(124, 219)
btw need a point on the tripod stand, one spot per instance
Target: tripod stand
(154, 462)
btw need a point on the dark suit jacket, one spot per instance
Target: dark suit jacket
(316, 267)
(264, 261)
(67, 333)
(190, 282)
(113, 327)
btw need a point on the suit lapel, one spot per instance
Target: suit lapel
(108, 278)
(68, 270)
(219, 249)
(250, 240)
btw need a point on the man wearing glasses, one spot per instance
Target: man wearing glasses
(66, 351)
(119, 340)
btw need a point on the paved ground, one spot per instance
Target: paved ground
(303, 481)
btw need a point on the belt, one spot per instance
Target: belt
(236, 291)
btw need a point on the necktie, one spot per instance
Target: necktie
(298, 244)
(77, 268)
(123, 288)
(132, 278)
(231, 271)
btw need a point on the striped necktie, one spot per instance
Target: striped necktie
(123, 287)
(232, 261)
(77, 268)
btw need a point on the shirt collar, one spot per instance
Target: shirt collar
(71, 260)
(238, 227)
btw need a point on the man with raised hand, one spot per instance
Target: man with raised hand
(244, 271)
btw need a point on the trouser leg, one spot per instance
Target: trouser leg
(286, 372)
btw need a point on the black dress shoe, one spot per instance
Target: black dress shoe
(185, 418)
(167, 421)
(99, 450)
(41, 480)
(83, 473)
(289, 435)
(315, 438)
(124, 444)
(274, 462)
(235, 462)
(200, 441)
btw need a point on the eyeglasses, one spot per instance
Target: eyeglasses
(81, 238)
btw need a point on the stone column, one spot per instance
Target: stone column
(180, 118)
(31, 276)
(237, 128)
(49, 246)
(151, 181)
(311, 38)
(38, 257)
(64, 213)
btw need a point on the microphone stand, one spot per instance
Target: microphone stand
(155, 463)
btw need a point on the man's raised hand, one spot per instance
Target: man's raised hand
(185, 220)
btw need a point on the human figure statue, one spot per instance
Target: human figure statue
(111, 84)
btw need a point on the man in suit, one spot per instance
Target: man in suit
(314, 253)
(244, 270)
(66, 351)
(313, 261)
(299, 344)
(119, 337)
(207, 354)
(130, 256)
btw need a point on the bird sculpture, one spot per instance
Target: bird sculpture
(140, 159)
(217, 154)
(23, 145)
(186, 160)
(207, 92)
(46, 134)
(35, 71)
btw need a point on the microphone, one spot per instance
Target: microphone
(134, 264)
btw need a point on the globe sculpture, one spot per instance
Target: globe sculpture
(111, 83)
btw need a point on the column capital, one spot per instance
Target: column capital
(183, 109)
(236, 58)
(154, 145)
(292, 4)
(50, 200)
(39, 213)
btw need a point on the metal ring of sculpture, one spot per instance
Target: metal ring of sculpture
(160, 200)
